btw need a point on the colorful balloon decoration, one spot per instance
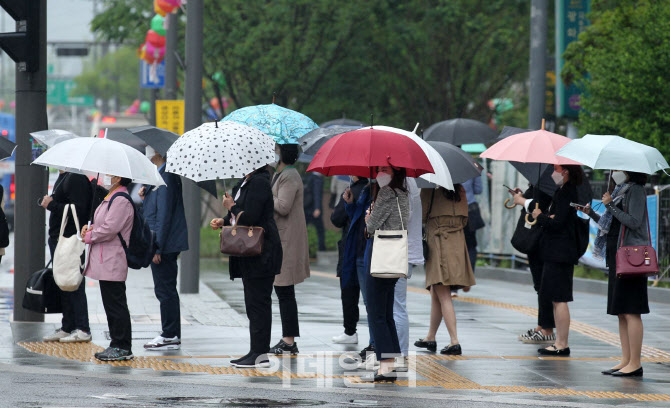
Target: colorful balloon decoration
(145, 107)
(158, 24)
(155, 39)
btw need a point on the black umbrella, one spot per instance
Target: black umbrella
(159, 139)
(460, 131)
(462, 166)
(6, 148)
(312, 141)
(343, 122)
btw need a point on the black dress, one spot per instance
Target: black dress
(624, 295)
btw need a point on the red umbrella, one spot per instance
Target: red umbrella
(359, 152)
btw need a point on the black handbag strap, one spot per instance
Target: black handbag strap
(50, 262)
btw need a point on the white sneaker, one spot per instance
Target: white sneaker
(162, 343)
(346, 339)
(56, 336)
(370, 363)
(77, 336)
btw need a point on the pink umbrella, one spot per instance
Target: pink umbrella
(538, 146)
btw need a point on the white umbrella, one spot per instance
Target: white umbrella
(615, 153)
(93, 156)
(220, 150)
(51, 137)
(442, 176)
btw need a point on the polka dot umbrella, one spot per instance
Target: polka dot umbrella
(285, 126)
(220, 150)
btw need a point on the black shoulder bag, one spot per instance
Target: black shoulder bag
(426, 251)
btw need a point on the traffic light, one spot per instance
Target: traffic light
(22, 45)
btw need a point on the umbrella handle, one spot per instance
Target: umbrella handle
(509, 207)
(528, 215)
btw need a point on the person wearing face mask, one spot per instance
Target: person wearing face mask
(388, 194)
(163, 209)
(287, 192)
(107, 264)
(626, 297)
(558, 249)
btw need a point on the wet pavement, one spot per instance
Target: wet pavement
(495, 369)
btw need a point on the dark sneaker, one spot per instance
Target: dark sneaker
(163, 343)
(430, 345)
(282, 347)
(253, 360)
(364, 353)
(453, 350)
(237, 360)
(114, 354)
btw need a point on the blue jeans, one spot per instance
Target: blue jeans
(400, 314)
(363, 277)
(165, 288)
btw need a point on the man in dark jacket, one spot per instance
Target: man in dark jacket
(163, 209)
(350, 247)
(69, 189)
(312, 197)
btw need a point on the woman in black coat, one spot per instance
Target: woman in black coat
(252, 204)
(558, 249)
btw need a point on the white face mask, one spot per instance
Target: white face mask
(107, 182)
(384, 179)
(150, 152)
(276, 162)
(619, 177)
(557, 177)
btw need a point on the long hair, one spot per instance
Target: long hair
(575, 172)
(452, 195)
(637, 178)
(397, 182)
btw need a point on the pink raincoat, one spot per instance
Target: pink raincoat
(106, 258)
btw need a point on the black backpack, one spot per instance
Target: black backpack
(142, 245)
(42, 295)
(4, 226)
(581, 235)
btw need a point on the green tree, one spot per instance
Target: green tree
(115, 74)
(622, 64)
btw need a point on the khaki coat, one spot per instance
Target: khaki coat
(289, 216)
(448, 261)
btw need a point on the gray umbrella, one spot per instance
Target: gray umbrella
(311, 142)
(127, 138)
(343, 122)
(460, 131)
(462, 166)
(6, 147)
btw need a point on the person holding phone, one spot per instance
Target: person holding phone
(627, 298)
(252, 204)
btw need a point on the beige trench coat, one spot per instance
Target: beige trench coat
(290, 218)
(448, 261)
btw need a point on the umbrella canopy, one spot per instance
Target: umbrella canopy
(359, 152)
(285, 126)
(460, 131)
(159, 139)
(312, 141)
(473, 147)
(127, 138)
(538, 146)
(614, 152)
(343, 122)
(220, 150)
(442, 172)
(49, 138)
(533, 172)
(93, 156)
(462, 166)
(6, 148)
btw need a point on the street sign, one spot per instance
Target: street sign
(58, 93)
(570, 22)
(170, 115)
(152, 76)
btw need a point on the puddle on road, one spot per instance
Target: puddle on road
(244, 402)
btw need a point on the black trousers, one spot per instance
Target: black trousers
(288, 310)
(165, 288)
(258, 303)
(381, 292)
(471, 243)
(350, 296)
(320, 230)
(74, 304)
(545, 307)
(118, 317)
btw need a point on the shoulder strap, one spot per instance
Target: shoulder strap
(63, 221)
(430, 206)
(397, 201)
(123, 242)
(623, 227)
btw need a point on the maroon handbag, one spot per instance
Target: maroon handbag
(240, 240)
(638, 260)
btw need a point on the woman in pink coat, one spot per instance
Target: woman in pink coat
(107, 264)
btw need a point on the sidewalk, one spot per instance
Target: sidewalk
(495, 365)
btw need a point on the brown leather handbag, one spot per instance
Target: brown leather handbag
(637, 260)
(241, 240)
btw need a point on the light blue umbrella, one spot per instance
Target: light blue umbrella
(285, 126)
(615, 153)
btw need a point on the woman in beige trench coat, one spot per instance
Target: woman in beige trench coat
(445, 215)
(289, 215)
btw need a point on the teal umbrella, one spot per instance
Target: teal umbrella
(615, 153)
(285, 126)
(473, 147)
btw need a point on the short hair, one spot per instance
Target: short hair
(637, 178)
(125, 182)
(288, 153)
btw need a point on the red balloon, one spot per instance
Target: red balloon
(155, 39)
(165, 6)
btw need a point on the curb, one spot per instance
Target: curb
(658, 295)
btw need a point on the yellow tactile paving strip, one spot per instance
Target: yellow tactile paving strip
(583, 328)
(428, 367)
